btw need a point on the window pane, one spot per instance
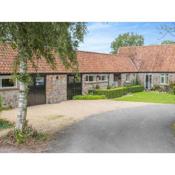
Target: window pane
(7, 82)
(166, 79)
(86, 78)
(91, 78)
(99, 77)
(39, 81)
(162, 79)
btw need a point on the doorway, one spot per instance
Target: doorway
(148, 81)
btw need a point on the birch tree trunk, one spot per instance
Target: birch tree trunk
(22, 101)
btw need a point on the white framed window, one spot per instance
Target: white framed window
(104, 77)
(164, 79)
(90, 78)
(95, 78)
(7, 82)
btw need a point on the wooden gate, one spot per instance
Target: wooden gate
(74, 86)
(37, 91)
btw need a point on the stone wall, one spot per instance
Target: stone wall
(10, 97)
(156, 78)
(127, 78)
(92, 85)
(56, 88)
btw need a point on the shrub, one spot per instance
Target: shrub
(136, 88)
(27, 136)
(112, 93)
(173, 89)
(91, 92)
(89, 97)
(109, 87)
(156, 88)
(4, 124)
(118, 92)
(97, 87)
(0, 103)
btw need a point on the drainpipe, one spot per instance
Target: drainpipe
(108, 80)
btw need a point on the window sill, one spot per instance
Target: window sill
(93, 82)
(164, 84)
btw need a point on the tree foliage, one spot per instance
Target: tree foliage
(127, 39)
(168, 42)
(39, 39)
(35, 41)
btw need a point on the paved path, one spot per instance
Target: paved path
(143, 128)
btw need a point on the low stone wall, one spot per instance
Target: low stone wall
(10, 97)
(56, 88)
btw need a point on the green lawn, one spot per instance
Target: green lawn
(153, 97)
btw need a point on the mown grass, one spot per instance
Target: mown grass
(152, 97)
(89, 97)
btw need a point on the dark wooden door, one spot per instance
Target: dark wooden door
(74, 86)
(37, 91)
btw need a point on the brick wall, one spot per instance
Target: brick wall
(56, 88)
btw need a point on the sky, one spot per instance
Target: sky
(100, 35)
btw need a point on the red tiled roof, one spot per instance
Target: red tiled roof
(129, 59)
(151, 58)
(89, 62)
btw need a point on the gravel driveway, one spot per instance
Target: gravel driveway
(102, 126)
(145, 128)
(53, 117)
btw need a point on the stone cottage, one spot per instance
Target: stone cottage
(150, 65)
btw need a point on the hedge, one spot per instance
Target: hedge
(118, 92)
(136, 88)
(89, 97)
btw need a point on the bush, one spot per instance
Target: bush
(89, 97)
(109, 87)
(156, 88)
(112, 93)
(0, 103)
(4, 124)
(97, 87)
(118, 92)
(27, 136)
(136, 88)
(173, 89)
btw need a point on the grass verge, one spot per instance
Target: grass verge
(151, 97)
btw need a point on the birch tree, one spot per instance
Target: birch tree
(36, 40)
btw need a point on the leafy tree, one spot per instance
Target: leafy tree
(127, 39)
(168, 42)
(36, 40)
